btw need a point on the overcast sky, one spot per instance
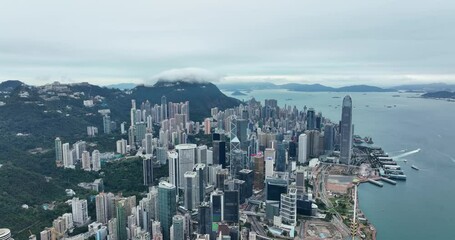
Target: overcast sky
(340, 42)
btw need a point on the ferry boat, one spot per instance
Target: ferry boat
(415, 167)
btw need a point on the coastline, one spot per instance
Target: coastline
(372, 227)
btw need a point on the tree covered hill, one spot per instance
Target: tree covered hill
(32, 116)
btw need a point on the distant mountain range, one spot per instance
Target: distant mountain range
(299, 87)
(431, 87)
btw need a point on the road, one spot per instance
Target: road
(255, 224)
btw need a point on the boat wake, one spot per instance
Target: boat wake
(407, 153)
(447, 155)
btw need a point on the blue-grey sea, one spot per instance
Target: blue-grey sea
(422, 131)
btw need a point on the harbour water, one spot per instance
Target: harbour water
(421, 131)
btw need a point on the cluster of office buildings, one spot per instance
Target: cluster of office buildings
(256, 154)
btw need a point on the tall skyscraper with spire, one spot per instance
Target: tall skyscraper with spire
(346, 131)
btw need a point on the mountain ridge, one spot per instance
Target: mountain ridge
(300, 87)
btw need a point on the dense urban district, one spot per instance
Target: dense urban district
(157, 170)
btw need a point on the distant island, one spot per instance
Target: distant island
(298, 87)
(238, 93)
(301, 87)
(440, 95)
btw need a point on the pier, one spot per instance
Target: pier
(379, 184)
(388, 181)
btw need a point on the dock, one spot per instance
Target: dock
(392, 167)
(398, 177)
(379, 184)
(388, 181)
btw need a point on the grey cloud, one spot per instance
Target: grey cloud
(195, 75)
(117, 41)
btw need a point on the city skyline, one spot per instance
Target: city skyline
(225, 120)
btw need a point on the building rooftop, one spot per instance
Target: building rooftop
(5, 232)
(245, 171)
(185, 146)
(190, 174)
(164, 184)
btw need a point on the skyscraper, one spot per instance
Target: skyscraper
(311, 119)
(191, 197)
(107, 124)
(186, 161)
(121, 219)
(204, 219)
(86, 161)
(280, 161)
(202, 177)
(80, 211)
(121, 146)
(46, 234)
(101, 208)
(231, 206)
(259, 171)
(167, 206)
(178, 228)
(269, 157)
(161, 155)
(58, 152)
(303, 145)
(247, 176)
(112, 228)
(207, 126)
(219, 153)
(173, 158)
(67, 156)
(148, 143)
(221, 176)
(202, 154)
(237, 162)
(329, 137)
(96, 161)
(242, 126)
(313, 142)
(163, 108)
(147, 170)
(300, 181)
(346, 131)
(140, 130)
(217, 203)
(131, 136)
(288, 210)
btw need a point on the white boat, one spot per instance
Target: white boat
(415, 167)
